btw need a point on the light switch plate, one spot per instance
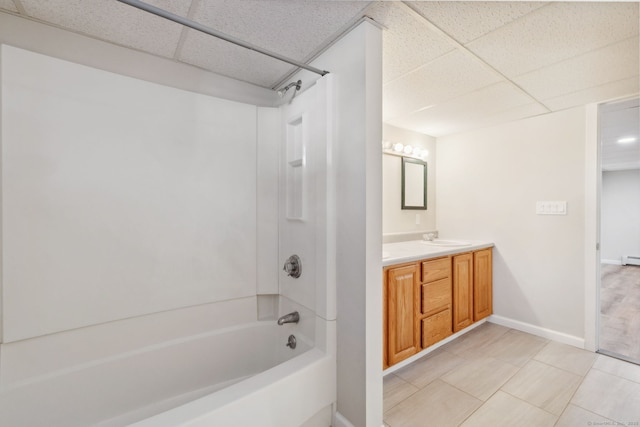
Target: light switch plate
(552, 207)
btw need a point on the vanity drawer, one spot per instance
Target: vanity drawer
(436, 296)
(436, 269)
(436, 328)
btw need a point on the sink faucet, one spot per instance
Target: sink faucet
(289, 318)
(430, 236)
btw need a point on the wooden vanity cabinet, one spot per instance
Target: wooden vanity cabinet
(462, 291)
(427, 301)
(402, 336)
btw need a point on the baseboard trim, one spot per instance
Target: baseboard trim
(538, 330)
(340, 420)
(611, 261)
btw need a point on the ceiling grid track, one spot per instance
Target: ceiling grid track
(463, 49)
(215, 33)
(340, 34)
(185, 30)
(20, 7)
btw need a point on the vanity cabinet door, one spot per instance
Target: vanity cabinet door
(403, 335)
(482, 286)
(462, 291)
(435, 328)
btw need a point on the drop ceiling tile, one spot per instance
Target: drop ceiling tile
(554, 33)
(407, 42)
(114, 21)
(296, 29)
(612, 63)
(602, 93)
(233, 61)
(8, 5)
(484, 107)
(466, 21)
(445, 78)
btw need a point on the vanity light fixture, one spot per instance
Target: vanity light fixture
(627, 140)
(399, 149)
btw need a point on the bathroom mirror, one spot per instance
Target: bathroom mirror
(414, 184)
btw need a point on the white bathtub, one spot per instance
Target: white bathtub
(297, 386)
(240, 375)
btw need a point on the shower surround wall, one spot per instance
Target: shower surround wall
(129, 216)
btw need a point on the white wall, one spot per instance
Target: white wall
(125, 224)
(356, 64)
(620, 220)
(119, 198)
(488, 182)
(395, 219)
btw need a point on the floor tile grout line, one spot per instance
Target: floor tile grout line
(399, 402)
(530, 403)
(583, 377)
(563, 369)
(616, 375)
(598, 415)
(519, 368)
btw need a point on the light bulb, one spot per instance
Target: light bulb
(398, 147)
(408, 149)
(626, 140)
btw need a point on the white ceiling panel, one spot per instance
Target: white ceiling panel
(471, 110)
(114, 21)
(612, 63)
(407, 41)
(8, 5)
(232, 61)
(554, 33)
(447, 66)
(445, 78)
(606, 92)
(292, 28)
(466, 21)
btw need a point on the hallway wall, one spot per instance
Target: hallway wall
(620, 210)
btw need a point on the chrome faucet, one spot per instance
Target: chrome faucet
(430, 236)
(289, 318)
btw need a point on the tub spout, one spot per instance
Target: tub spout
(289, 318)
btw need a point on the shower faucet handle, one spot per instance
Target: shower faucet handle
(293, 266)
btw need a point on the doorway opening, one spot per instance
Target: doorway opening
(619, 314)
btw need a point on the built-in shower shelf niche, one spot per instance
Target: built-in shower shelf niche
(296, 152)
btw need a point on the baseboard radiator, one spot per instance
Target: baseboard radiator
(630, 260)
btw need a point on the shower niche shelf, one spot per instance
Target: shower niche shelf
(295, 174)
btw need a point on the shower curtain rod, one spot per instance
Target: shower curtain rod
(207, 30)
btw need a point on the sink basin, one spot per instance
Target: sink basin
(442, 242)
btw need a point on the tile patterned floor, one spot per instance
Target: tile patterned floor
(495, 376)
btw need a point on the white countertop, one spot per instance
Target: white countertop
(415, 250)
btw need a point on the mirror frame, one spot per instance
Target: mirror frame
(405, 161)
